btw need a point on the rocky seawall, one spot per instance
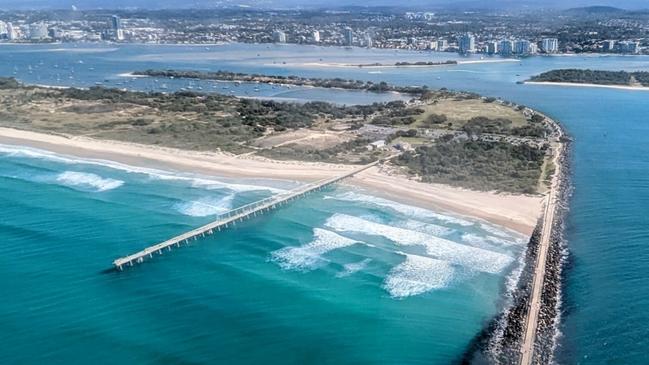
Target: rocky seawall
(501, 339)
(549, 318)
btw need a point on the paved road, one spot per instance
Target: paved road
(527, 348)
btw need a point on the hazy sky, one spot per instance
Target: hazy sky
(85, 4)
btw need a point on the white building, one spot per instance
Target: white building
(316, 36)
(368, 41)
(116, 28)
(38, 31)
(442, 45)
(466, 43)
(609, 46)
(492, 47)
(279, 36)
(12, 32)
(628, 47)
(550, 45)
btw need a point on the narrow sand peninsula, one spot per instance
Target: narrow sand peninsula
(388, 65)
(574, 84)
(517, 212)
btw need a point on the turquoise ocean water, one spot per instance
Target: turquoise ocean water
(340, 277)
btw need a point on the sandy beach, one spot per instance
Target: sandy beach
(386, 65)
(517, 212)
(573, 84)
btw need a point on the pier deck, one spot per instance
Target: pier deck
(236, 215)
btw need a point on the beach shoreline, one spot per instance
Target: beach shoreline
(516, 212)
(574, 84)
(386, 66)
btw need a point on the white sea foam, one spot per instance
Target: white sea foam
(477, 240)
(196, 181)
(206, 206)
(214, 184)
(88, 181)
(353, 267)
(429, 228)
(417, 275)
(407, 210)
(471, 258)
(309, 256)
(497, 231)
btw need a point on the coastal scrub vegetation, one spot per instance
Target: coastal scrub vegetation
(339, 83)
(598, 77)
(478, 165)
(447, 137)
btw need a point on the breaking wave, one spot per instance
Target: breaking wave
(417, 275)
(87, 180)
(196, 181)
(206, 206)
(309, 256)
(354, 267)
(469, 257)
(404, 209)
(474, 239)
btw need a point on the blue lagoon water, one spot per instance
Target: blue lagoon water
(340, 277)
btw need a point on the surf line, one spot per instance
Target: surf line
(240, 214)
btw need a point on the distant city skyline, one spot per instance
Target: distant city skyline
(475, 4)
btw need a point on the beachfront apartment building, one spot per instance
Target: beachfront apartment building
(491, 47)
(38, 31)
(348, 36)
(368, 41)
(631, 47)
(608, 46)
(550, 45)
(506, 47)
(442, 45)
(279, 36)
(466, 43)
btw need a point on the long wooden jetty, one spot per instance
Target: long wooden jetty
(233, 216)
